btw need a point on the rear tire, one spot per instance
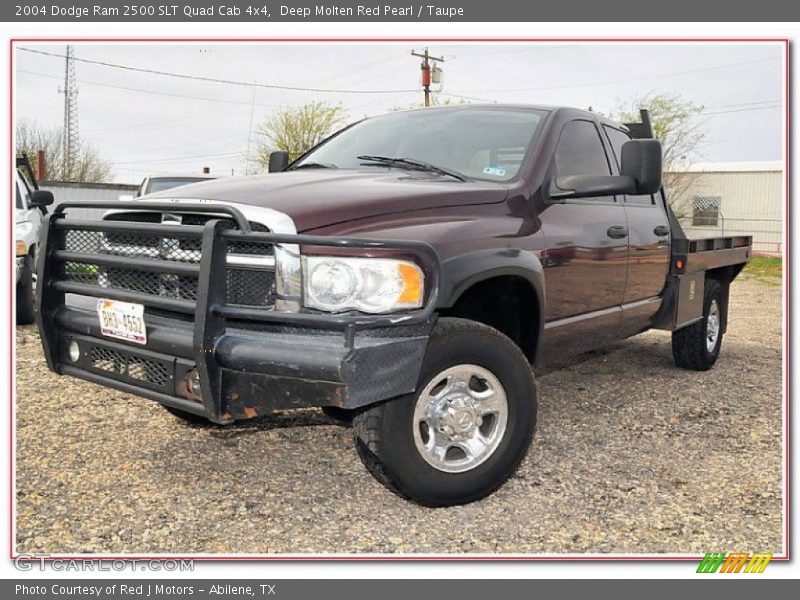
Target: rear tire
(465, 430)
(25, 294)
(697, 346)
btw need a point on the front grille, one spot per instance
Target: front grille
(249, 285)
(124, 365)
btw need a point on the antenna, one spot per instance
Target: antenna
(71, 142)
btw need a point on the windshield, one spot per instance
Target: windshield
(479, 143)
(167, 183)
(21, 182)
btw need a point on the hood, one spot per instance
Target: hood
(20, 216)
(320, 197)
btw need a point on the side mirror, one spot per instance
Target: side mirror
(640, 174)
(641, 160)
(41, 198)
(278, 161)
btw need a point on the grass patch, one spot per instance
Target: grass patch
(765, 269)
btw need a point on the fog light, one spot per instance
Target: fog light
(190, 387)
(74, 351)
(194, 382)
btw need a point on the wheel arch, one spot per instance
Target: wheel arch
(465, 274)
(724, 276)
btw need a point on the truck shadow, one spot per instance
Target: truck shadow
(289, 419)
(652, 353)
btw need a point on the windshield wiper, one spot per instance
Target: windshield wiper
(313, 165)
(412, 164)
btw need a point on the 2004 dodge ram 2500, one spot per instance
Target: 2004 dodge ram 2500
(407, 272)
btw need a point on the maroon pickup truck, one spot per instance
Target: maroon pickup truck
(405, 273)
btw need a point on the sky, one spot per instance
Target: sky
(150, 123)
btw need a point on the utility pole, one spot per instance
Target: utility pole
(71, 140)
(426, 72)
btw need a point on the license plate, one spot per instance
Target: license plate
(122, 320)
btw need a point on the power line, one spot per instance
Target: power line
(616, 81)
(462, 97)
(215, 79)
(745, 104)
(174, 158)
(724, 112)
(169, 123)
(146, 91)
(261, 104)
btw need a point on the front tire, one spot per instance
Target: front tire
(25, 294)
(465, 430)
(697, 346)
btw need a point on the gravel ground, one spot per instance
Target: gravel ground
(632, 455)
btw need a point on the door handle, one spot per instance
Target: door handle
(661, 230)
(617, 232)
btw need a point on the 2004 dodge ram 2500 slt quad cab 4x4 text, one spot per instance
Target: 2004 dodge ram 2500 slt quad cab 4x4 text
(406, 272)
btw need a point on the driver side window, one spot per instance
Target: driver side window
(580, 151)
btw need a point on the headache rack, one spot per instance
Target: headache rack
(208, 275)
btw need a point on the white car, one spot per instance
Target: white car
(30, 206)
(159, 183)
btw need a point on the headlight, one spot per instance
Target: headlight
(24, 228)
(372, 285)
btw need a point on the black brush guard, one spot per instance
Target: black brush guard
(249, 360)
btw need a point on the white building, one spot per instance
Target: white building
(735, 198)
(65, 191)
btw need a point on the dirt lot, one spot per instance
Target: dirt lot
(631, 455)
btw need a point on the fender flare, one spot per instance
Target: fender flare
(460, 273)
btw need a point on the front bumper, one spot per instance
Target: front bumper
(257, 371)
(247, 362)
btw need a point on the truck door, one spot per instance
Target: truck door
(586, 248)
(648, 262)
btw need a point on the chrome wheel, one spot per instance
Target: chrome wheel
(460, 418)
(712, 326)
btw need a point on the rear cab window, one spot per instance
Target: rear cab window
(23, 192)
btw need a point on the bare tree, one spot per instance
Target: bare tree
(88, 167)
(435, 101)
(298, 129)
(676, 125)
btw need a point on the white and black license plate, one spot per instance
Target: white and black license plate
(122, 320)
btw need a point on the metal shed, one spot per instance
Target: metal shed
(735, 198)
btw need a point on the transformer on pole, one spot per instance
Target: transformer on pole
(431, 73)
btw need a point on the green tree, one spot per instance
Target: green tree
(677, 124)
(298, 129)
(88, 167)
